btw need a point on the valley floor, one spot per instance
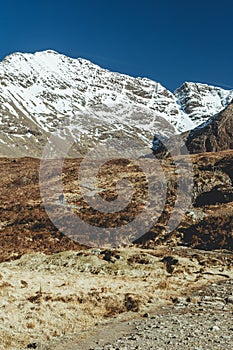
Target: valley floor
(52, 301)
(57, 294)
(203, 321)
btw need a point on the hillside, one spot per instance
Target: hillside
(213, 135)
(26, 227)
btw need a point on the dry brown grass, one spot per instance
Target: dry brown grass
(45, 297)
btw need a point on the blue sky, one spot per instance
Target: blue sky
(167, 41)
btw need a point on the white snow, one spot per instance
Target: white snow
(49, 89)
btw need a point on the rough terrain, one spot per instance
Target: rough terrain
(56, 300)
(25, 226)
(56, 293)
(201, 322)
(213, 135)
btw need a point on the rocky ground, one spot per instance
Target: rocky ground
(65, 300)
(199, 322)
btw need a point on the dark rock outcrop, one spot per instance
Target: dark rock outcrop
(214, 135)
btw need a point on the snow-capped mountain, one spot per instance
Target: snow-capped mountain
(200, 101)
(41, 92)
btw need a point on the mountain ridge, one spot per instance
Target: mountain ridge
(45, 91)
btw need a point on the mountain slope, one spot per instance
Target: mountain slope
(25, 225)
(201, 101)
(214, 135)
(44, 91)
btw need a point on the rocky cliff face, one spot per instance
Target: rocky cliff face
(201, 101)
(44, 91)
(214, 135)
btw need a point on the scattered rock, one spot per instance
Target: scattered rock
(32, 346)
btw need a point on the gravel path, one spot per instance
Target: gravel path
(203, 321)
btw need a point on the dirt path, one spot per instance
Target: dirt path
(199, 322)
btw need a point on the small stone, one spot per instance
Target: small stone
(32, 346)
(229, 299)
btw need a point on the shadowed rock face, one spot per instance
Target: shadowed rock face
(215, 135)
(212, 136)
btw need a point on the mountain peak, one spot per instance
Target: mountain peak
(43, 90)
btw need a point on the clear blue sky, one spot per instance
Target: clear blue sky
(168, 41)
